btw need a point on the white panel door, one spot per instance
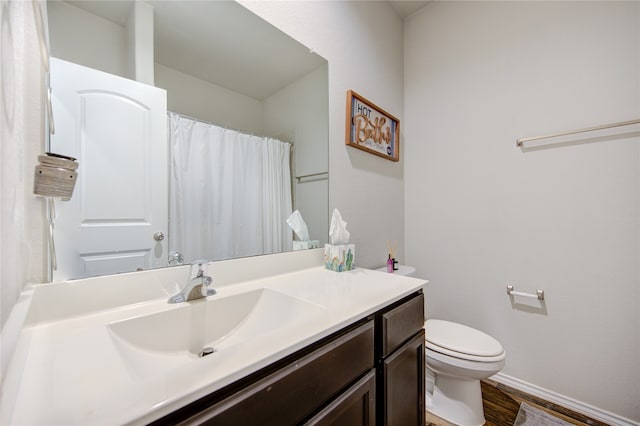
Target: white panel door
(116, 128)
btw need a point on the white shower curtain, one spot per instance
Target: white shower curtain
(230, 193)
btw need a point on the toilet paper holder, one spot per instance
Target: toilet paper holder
(539, 293)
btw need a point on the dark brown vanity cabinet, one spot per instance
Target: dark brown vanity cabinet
(400, 363)
(366, 374)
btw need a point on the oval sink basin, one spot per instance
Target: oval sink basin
(215, 322)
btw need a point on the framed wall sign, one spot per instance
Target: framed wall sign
(371, 128)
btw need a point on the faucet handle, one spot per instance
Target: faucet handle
(198, 268)
(206, 289)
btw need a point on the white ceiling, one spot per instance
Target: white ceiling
(220, 42)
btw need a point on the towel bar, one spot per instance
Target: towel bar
(299, 178)
(539, 293)
(520, 142)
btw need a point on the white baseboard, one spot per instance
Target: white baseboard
(577, 406)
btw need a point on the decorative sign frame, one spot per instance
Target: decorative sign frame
(371, 128)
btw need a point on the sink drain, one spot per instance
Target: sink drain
(206, 351)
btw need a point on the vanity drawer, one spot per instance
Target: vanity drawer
(401, 323)
(296, 391)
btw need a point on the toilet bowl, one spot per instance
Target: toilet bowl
(457, 358)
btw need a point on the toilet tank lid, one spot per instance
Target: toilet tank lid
(460, 338)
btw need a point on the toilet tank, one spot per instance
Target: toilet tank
(402, 270)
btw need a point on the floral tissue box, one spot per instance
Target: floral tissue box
(340, 257)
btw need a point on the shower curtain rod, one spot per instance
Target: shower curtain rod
(227, 128)
(199, 120)
(520, 142)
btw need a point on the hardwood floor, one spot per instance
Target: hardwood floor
(501, 405)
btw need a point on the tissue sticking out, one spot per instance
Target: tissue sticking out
(299, 227)
(338, 233)
(339, 256)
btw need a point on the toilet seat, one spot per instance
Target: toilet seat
(458, 358)
(460, 341)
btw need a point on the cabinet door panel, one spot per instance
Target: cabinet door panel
(404, 385)
(355, 407)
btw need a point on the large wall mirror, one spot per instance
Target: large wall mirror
(230, 82)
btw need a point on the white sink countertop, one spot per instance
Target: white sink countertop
(78, 369)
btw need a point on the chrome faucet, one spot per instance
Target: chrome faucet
(175, 258)
(197, 286)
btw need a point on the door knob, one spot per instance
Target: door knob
(158, 236)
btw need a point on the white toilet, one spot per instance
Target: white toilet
(457, 358)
